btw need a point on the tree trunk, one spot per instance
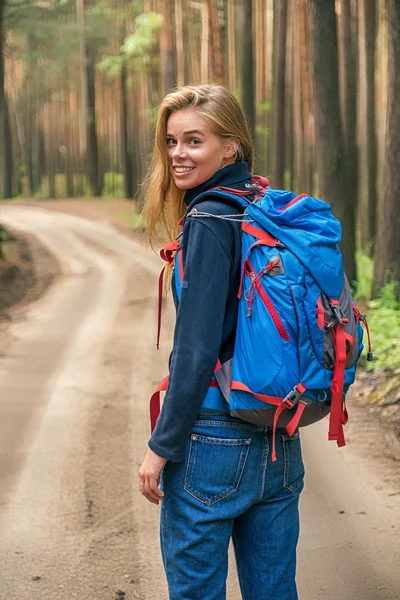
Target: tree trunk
(91, 133)
(5, 131)
(205, 41)
(307, 118)
(216, 41)
(231, 46)
(88, 95)
(180, 55)
(348, 106)
(368, 138)
(278, 94)
(331, 164)
(248, 80)
(387, 262)
(167, 48)
(80, 19)
(127, 164)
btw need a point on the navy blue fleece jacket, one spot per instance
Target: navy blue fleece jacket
(206, 313)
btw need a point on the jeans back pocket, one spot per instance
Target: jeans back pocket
(215, 467)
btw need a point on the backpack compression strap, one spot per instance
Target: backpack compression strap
(291, 400)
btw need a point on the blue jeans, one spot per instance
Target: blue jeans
(227, 486)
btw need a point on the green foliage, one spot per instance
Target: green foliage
(383, 317)
(113, 185)
(384, 325)
(265, 107)
(136, 47)
(139, 42)
(365, 270)
(262, 131)
(135, 219)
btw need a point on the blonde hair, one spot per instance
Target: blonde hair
(163, 201)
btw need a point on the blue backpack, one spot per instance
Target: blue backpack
(299, 334)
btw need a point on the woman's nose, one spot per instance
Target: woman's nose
(179, 151)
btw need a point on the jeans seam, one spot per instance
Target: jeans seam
(264, 466)
(231, 425)
(286, 461)
(220, 441)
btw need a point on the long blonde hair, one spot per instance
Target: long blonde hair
(163, 201)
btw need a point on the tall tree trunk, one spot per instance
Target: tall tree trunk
(88, 95)
(50, 146)
(298, 125)
(69, 173)
(205, 41)
(5, 130)
(307, 118)
(387, 262)
(216, 43)
(91, 133)
(368, 138)
(278, 93)
(348, 106)
(127, 163)
(248, 80)
(231, 46)
(180, 56)
(167, 48)
(80, 19)
(331, 164)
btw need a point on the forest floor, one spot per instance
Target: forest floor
(77, 366)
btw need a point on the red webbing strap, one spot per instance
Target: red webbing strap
(168, 250)
(155, 401)
(268, 239)
(282, 407)
(271, 309)
(180, 260)
(160, 291)
(294, 423)
(241, 387)
(167, 254)
(338, 416)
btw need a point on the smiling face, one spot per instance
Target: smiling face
(195, 152)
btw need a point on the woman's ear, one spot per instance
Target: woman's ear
(231, 147)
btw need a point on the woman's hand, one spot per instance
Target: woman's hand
(149, 477)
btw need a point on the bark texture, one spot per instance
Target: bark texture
(387, 257)
(330, 151)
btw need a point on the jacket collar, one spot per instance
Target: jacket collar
(236, 175)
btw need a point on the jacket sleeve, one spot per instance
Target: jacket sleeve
(197, 336)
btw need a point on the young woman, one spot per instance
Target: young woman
(216, 480)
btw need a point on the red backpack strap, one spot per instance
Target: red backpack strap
(167, 253)
(155, 403)
(338, 416)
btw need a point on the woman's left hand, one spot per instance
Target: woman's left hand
(149, 477)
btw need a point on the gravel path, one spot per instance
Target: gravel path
(74, 389)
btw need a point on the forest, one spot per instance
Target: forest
(80, 82)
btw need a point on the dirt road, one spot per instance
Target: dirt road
(74, 387)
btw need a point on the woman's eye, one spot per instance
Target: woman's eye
(170, 142)
(194, 141)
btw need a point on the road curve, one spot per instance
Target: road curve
(74, 389)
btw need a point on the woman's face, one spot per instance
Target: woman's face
(195, 151)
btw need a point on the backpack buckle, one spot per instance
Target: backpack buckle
(294, 396)
(339, 314)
